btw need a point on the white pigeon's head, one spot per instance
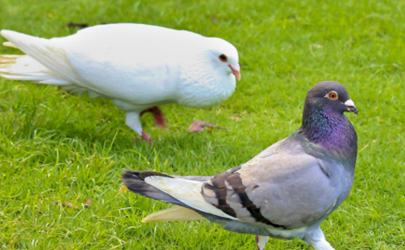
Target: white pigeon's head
(224, 55)
(209, 69)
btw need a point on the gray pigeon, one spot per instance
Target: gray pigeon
(284, 192)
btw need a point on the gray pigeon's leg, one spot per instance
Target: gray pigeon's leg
(132, 120)
(321, 245)
(316, 239)
(261, 241)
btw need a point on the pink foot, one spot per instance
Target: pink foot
(157, 115)
(257, 242)
(146, 137)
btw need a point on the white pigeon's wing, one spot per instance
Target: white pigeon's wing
(131, 62)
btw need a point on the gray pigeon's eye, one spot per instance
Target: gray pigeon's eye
(332, 95)
(223, 58)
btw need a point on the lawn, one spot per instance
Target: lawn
(56, 147)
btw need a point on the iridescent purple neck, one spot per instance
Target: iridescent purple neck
(330, 130)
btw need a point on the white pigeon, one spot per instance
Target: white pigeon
(138, 66)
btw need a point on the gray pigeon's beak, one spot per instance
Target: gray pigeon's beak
(235, 70)
(351, 107)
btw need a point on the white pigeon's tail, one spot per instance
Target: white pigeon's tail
(23, 67)
(44, 63)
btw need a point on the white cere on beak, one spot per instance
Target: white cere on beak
(351, 107)
(349, 103)
(235, 68)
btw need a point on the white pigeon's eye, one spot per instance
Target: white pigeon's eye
(332, 95)
(223, 58)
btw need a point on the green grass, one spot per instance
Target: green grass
(56, 147)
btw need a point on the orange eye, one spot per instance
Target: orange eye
(223, 58)
(333, 95)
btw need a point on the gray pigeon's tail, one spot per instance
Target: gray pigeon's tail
(134, 180)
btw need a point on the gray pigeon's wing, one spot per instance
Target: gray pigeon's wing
(282, 187)
(265, 153)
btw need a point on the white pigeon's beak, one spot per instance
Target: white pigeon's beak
(235, 70)
(351, 107)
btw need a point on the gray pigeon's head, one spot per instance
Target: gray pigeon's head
(331, 97)
(328, 131)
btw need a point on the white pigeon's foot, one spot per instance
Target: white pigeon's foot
(157, 115)
(146, 137)
(261, 241)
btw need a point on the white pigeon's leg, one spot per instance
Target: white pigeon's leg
(132, 120)
(261, 241)
(316, 239)
(157, 115)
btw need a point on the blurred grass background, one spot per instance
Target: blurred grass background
(57, 147)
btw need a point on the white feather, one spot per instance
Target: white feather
(175, 213)
(262, 240)
(22, 67)
(8, 44)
